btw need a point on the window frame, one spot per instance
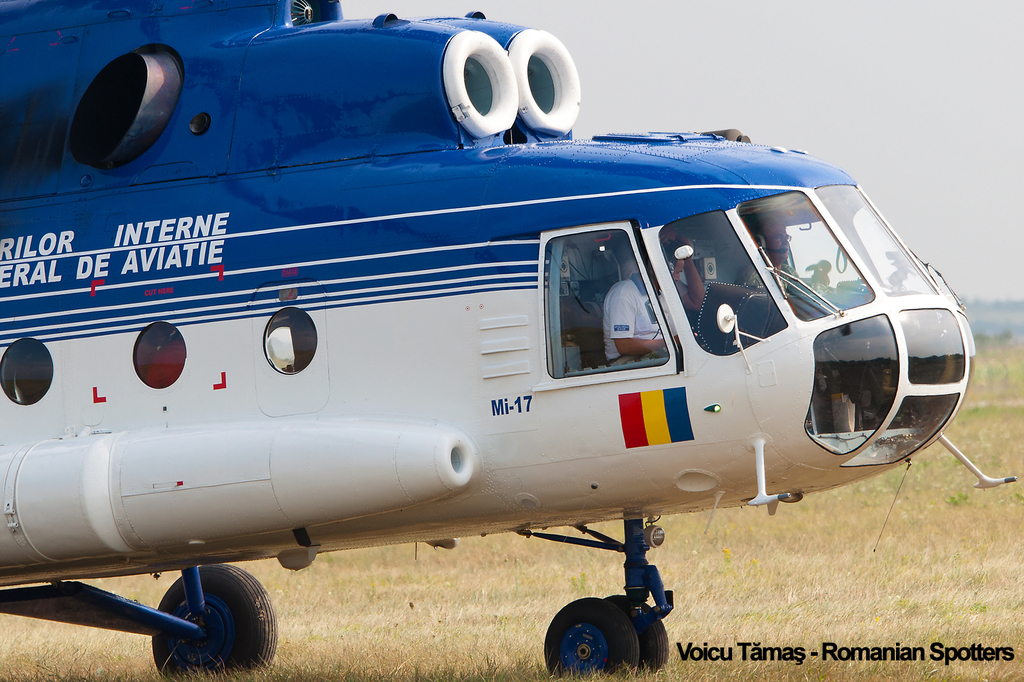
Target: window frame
(307, 392)
(631, 229)
(832, 229)
(691, 357)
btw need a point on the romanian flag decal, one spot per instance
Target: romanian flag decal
(655, 417)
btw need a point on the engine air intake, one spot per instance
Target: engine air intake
(549, 85)
(480, 84)
(125, 109)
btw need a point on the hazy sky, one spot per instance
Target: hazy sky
(921, 102)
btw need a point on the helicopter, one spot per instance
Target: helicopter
(256, 309)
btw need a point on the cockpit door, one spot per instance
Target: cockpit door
(602, 317)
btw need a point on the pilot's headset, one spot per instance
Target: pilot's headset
(757, 232)
(751, 218)
(756, 228)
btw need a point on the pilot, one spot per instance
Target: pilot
(769, 231)
(685, 276)
(631, 328)
(776, 240)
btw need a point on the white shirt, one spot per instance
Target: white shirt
(627, 315)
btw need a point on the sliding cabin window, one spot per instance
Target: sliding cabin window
(718, 272)
(600, 316)
(289, 341)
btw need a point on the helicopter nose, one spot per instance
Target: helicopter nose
(930, 387)
(856, 380)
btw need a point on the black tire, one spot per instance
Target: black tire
(653, 641)
(595, 635)
(248, 607)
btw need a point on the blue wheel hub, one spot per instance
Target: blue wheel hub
(584, 648)
(209, 653)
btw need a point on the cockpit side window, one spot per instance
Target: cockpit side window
(812, 268)
(718, 272)
(600, 317)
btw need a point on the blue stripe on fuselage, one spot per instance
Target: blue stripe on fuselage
(383, 230)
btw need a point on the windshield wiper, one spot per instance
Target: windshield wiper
(802, 285)
(778, 273)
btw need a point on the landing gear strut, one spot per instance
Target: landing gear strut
(621, 631)
(212, 618)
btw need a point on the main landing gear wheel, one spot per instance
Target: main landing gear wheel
(653, 640)
(239, 620)
(590, 635)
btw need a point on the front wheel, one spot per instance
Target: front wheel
(653, 640)
(590, 635)
(239, 620)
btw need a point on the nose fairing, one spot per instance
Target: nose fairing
(915, 361)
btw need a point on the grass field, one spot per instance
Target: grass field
(948, 569)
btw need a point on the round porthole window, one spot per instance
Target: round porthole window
(290, 341)
(26, 371)
(159, 355)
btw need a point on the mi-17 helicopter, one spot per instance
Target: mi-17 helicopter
(276, 283)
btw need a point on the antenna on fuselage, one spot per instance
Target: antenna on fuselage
(718, 498)
(898, 489)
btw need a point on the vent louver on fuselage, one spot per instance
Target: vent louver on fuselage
(303, 13)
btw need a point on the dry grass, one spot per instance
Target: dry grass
(947, 569)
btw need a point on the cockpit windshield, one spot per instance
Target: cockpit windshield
(879, 251)
(812, 268)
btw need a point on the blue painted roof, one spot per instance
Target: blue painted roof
(32, 16)
(604, 164)
(282, 96)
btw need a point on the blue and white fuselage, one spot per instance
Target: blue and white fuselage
(378, 320)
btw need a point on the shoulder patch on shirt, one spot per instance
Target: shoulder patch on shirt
(621, 328)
